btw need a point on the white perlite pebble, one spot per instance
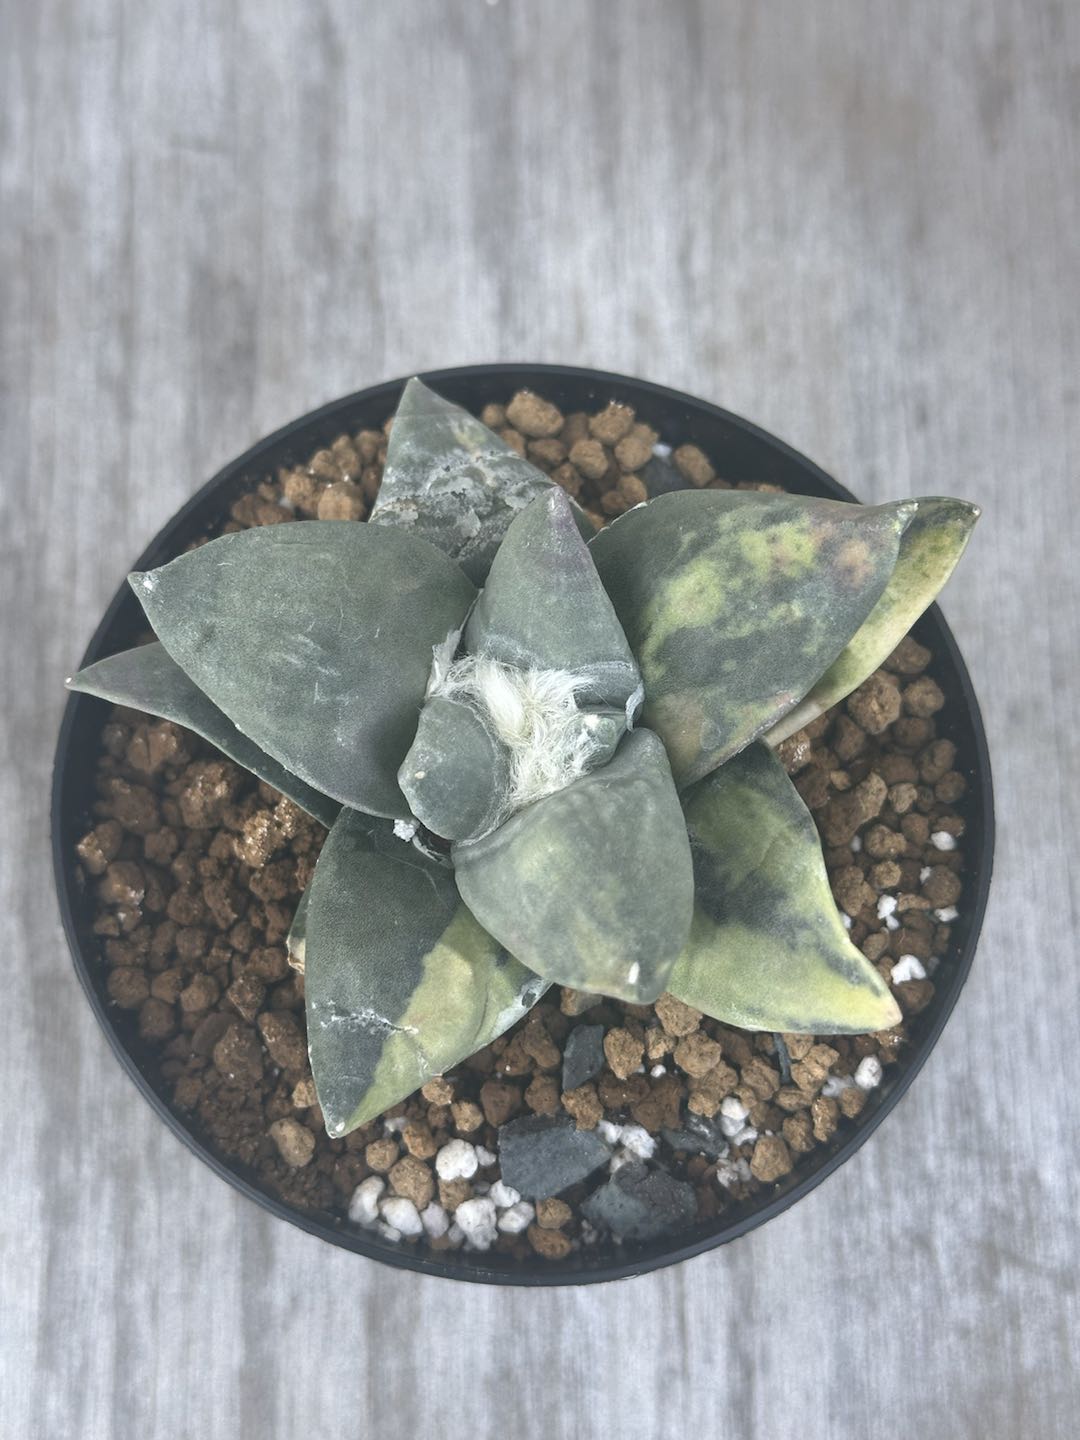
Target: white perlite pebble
(435, 1220)
(638, 1141)
(456, 1236)
(891, 922)
(395, 1124)
(732, 1114)
(485, 1157)
(946, 915)
(924, 874)
(836, 1085)
(657, 1071)
(476, 1219)
(364, 1205)
(503, 1195)
(908, 967)
(856, 844)
(661, 451)
(942, 840)
(388, 1232)
(517, 1218)
(402, 1214)
(732, 1172)
(457, 1160)
(746, 1136)
(868, 1075)
(846, 920)
(885, 906)
(609, 1131)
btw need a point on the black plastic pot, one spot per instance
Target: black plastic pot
(741, 451)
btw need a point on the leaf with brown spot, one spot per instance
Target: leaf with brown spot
(933, 540)
(735, 602)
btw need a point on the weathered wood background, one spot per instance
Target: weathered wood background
(857, 224)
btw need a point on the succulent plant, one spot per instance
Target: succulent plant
(544, 754)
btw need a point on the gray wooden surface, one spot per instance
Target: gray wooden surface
(857, 224)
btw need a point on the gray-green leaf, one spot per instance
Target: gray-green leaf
(296, 942)
(316, 640)
(451, 479)
(147, 678)
(767, 947)
(592, 886)
(544, 607)
(933, 541)
(736, 602)
(400, 981)
(456, 776)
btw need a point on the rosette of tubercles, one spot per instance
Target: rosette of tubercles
(544, 755)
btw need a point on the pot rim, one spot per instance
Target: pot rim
(655, 403)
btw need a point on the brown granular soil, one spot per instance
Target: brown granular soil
(197, 868)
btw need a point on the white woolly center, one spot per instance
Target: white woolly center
(534, 713)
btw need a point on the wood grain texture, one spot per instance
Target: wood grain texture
(856, 224)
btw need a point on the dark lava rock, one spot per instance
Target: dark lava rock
(783, 1058)
(661, 477)
(639, 1204)
(542, 1155)
(698, 1136)
(583, 1055)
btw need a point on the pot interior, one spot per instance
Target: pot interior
(740, 451)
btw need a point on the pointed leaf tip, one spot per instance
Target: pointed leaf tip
(400, 981)
(935, 536)
(326, 667)
(451, 479)
(544, 606)
(591, 887)
(767, 947)
(147, 678)
(419, 399)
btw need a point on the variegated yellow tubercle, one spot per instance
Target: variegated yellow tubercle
(544, 755)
